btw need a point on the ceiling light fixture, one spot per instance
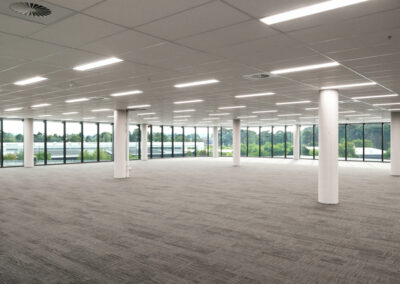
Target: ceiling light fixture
(374, 97)
(30, 81)
(184, 110)
(255, 95)
(146, 113)
(265, 111)
(347, 111)
(219, 114)
(127, 93)
(357, 115)
(386, 104)
(231, 107)
(311, 108)
(91, 117)
(14, 109)
(269, 119)
(182, 116)
(150, 118)
(40, 105)
(196, 83)
(97, 64)
(139, 106)
(69, 113)
(293, 103)
(188, 102)
(244, 117)
(349, 86)
(305, 68)
(394, 109)
(45, 115)
(290, 114)
(77, 100)
(308, 11)
(101, 110)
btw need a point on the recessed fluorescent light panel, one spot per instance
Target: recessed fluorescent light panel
(357, 115)
(265, 111)
(184, 110)
(293, 103)
(244, 117)
(77, 100)
(231, 107)
(101, 110)
(374, 97)
(349, 86)
(188, 102)
(347, 111)
(69, 113)
(127, 93)
(139, 106)
(92, 117)
(182, 116)
(219, 114)
(40, 105)
(255, 95)
(305, 68)
(30, 81)
(146, 113)
(14, 109)
(45, 115)
(312, 108)
(290, 114)
(97, 64)
(386, 104)
(197, 83)
(309, 10)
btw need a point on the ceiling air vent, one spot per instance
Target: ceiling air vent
(257, 76)
(30, 9)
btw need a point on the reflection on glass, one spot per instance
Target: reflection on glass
(355, 142)
(227, 148)
(156, 139)
(167, 138)
(373, 142)
(386, 142)
(202, 141)
(243, 142)
(279, 141)
(149, 130)
(73, 144)
(89, 142)
(289, 141)
(106, 142)
(38, 142)
(178, 141)
(134, 142)
(55, 142)
(342, 142)
(316, 142)
(13, 143)
(306, 142)
(211, 141)
(266, 138)
(254, 147)
(189, 142)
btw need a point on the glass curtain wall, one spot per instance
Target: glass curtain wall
(306, 142)
(156, 142)
(254, 142)
(134, 142)
(167, 141)
(386, 142)
(178, 141)
(316, 141)
(202, 141)
(189, 142)
(55, 142)
(149, 138)
(105, 142)
(89, 142)
(210, 141)
(266, 141)
(13, 143)
(289, 141)
(243, 141)
(373, 142)
(226, 150)
(342, 142)
(73, 142)
(279, 142)
(355, 142)
(38, 142)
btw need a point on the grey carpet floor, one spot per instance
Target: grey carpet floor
(197, 221)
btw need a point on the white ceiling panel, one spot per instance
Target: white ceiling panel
(76, 31)
(17, 26)
(201, 19)
(74, 4)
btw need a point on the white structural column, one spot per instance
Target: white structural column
(296, 142)
(28, 143)
(328, 176)
(143, 142)
(395, 143)
(121, 144)
(215, 142)
(236, 142)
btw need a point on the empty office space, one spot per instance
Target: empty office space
(199, 141)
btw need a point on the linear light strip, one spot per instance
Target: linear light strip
(349, 86)
(196, 83)
(29, 81)
(305, 68)
(97, 64)
(255, 95)
(293, 103)
(188, 102)
(374, 97)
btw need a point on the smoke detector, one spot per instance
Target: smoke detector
(257, 76)
(30, 9)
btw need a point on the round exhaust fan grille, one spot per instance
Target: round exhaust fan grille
(30, 9)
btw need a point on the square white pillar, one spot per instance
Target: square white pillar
(143, 142)
(121, 144)
(236, 142)
(395, 143)
(28, 143)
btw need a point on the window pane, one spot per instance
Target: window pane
(386, 142)
(55, 142)
(373, 141)
(306, 141)
(90, 142)
(342, 141)
(189, 141)
(38, 142)
(354, 142)
(134, 141)
(227, 142)
(266, 141)
(219, 141)
(13, 143)
(289, 141)
(73, 142)
(178, 141)
(211, 141)
(316, 141)
(201, 141)
(106, 142)
(167, 141)
(254, 146)
(156, 146)
(149, 129)
(279, 142)
(243, 142)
